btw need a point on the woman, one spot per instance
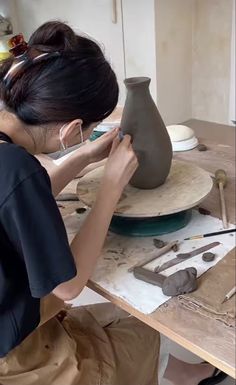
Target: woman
(55, 90)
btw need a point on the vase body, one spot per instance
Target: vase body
(150, 139)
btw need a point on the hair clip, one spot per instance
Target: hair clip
(23, 58)
(17, 45)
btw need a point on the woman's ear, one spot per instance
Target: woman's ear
(72, 133)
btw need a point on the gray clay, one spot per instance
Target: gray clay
(158, 243)
(181, 282)
(175, 248)
(208, 257)
(150, 139)
(203, 211)
(80, 210)
(202, 147)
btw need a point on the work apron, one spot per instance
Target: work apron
(92, 345)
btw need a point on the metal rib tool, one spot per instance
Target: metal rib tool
(184, 256)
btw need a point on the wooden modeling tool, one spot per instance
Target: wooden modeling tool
(151, 258)
(184, 256)
(149, 276)
(221, 181)
(229, 294)
(67, 197)
(210, 234)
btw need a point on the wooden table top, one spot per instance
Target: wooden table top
(207, 338)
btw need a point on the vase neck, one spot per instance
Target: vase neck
(137, 83)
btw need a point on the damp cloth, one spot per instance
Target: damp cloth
(212, 288)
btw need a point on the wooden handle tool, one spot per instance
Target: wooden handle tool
(149, 276)
(157, 254)
(221, 181)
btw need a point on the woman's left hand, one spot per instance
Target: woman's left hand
(100, 148)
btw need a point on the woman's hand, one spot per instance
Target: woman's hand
(120, 166)
(100, 148)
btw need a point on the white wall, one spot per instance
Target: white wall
(93, 17)
(193, 40)
(183, 45)
(174, 59)
(212, 28)
(8, 9)
(139, 40)
(232, 102)
(130, 43)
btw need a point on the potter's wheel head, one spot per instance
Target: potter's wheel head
(186, 186)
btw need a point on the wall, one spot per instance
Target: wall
(139, 40)
(212, 26)
(184, 46)
(130, 43)
(193, 53)
(8, 9)
(92, 17)
(174, 59)
(232, 102)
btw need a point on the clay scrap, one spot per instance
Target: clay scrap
(158, 243)
(202, 147)
(181, 282)
(208, 257)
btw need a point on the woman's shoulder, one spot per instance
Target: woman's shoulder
(14, 158)
(16, 165)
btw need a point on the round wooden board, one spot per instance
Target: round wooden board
(186, 186)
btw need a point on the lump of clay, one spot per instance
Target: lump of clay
(181, 282)
(208, 257)
(202, 147)
(158, 243)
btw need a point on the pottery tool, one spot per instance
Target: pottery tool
(149, 276)
(229, 294)
(221, 181)
(158, 254)
(199, 236)
(184, 256)
(180, 282)
(66, 197)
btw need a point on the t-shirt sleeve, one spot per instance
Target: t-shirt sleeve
(35, 228)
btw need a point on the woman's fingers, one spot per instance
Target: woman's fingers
(115, 144)
(126, 140)
(110, 135)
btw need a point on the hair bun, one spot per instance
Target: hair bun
(53, 36)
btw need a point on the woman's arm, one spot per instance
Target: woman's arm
(77, 161)
(88, 243)
(62, 174)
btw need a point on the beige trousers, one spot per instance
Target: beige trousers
(93, 345)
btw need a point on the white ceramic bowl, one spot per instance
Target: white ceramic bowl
(185, 145)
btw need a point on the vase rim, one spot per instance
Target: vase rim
(137, 80)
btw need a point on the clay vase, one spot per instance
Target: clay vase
(150, 138)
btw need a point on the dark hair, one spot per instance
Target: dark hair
(78, 83)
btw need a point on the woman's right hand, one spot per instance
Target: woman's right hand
(121, 165)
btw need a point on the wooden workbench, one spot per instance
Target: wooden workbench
(207, 338)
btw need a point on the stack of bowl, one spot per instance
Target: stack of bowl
(182, 137)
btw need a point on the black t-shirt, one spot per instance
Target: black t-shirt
(35, 255)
